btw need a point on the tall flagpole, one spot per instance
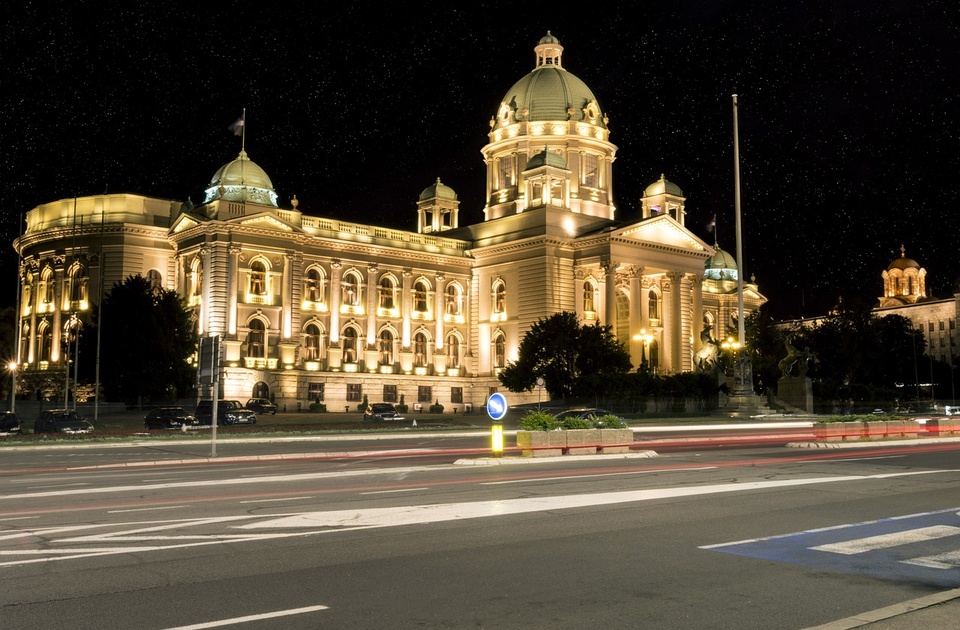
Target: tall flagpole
(743, 373)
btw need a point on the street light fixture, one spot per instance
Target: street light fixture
(646, 338)
(732, 346)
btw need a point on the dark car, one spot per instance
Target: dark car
(261, 405)
(9, 423)
(170, 418)
(229, 412)
(381, 411)
(61, 421)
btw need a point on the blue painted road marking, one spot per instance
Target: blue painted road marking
(923, 548)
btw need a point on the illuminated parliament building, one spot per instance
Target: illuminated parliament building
(312, 308)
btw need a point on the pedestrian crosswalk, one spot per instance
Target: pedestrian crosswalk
(917, 547)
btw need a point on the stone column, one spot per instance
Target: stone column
(674, 323)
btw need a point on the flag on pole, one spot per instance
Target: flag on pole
(237, 127)
(713, 224)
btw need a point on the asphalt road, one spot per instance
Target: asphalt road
(733, 538)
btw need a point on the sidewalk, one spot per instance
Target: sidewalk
(940, 610)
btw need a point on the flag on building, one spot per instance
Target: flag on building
(237, 127)
(713, 224)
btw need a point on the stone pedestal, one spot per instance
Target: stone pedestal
(796, 391)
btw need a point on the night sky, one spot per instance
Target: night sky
(849, 120)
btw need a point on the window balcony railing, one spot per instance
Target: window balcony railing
(260, 363)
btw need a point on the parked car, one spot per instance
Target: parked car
(261, 405)
(381, 411)
(61, 421)
(229, 412)
(9, 423)
(170, 418)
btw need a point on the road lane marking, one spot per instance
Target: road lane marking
(863, 545)
(149, 509)
(271, 615)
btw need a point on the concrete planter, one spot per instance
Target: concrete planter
(828, 431)
(615, 440)
(943, 426)
(574, 442)
(582, 441)
(541, 443)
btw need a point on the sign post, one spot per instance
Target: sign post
(496, 409)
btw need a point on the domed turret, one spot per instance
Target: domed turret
(549, 119)
(904, 282)
(663, 197)
(241, 180)
(439, 190)
(721, 266)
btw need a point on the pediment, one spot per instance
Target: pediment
(265, 220)
(183, 222)
(663, 231)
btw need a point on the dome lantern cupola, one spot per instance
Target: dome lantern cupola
(241, 180)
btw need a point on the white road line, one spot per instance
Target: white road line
(270, 615)
(616, 474)
(949, 560)
(395, 491)
(276, 500)
(863, 545)
(149, 509)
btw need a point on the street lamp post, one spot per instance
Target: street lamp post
(645, 338)
(12, 366)
(731, 346)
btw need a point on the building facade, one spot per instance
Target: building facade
(316, 309)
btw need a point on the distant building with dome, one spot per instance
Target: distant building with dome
(904, 283)
(310, 308)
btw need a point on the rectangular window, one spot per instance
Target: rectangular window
(354, 392)
(456, 394)
(492, 391)
(424, 394)
(590, 171)
(390, 393)
(930, 326)
(315, 392)
(940, 324)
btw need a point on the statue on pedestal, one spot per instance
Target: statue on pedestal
(795, 358)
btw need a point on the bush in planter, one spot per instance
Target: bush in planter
(575, 423)
(363, 405)
(538, 421)
(401, 406)
(436, 407)
(609, 421)
(318, 407)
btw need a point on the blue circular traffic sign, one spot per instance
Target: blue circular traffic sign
(496, 406)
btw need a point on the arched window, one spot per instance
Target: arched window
(197, 268)
(453, 352)
(350, 345)
(421, 292)
(420, 350)
(453, 301)
(499, 297)
(46, 288)
(350, 289)
(77, 284)
(258, 278)
(653, 305)
(155, 280)
(46, 341)
(311, 342)
(589, 297)
(387, 291)
(386, 348)
(256, 340)
(313, 286)
(499, 351)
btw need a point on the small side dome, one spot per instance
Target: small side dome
(546, 158)
(241, 180)
(721, 266)
(662, 186)
(438, 190)
(549, 39)
(903, 262)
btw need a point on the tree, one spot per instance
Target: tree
(573, 360)
(147, 339)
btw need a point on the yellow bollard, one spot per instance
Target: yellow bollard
(496, 439)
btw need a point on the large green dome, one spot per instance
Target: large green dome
(551, 93)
